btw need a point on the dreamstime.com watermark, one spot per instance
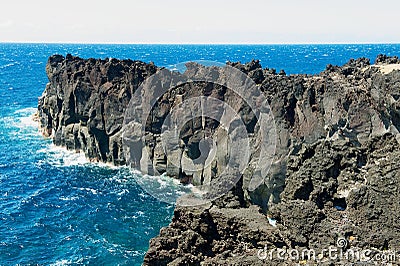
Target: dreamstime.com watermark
(340, 252)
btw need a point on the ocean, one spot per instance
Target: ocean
(58, 209)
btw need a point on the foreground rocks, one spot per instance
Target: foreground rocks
(335, 172)
(333, 191)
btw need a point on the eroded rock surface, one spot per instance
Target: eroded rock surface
(84, 103)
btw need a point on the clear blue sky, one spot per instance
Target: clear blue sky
(206, 21)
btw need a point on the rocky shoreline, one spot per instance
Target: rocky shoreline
(334, 175)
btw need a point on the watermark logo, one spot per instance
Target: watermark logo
(191, 124)
(340, 252)
(341, 243)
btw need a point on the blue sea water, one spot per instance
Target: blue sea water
(57, 209)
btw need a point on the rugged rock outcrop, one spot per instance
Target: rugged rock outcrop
(334, 174)
(84, 103)
(339, 140)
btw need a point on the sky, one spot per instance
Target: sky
(205, 21)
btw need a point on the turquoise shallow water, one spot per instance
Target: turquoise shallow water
(55, 208)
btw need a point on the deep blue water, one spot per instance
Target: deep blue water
(55, 208)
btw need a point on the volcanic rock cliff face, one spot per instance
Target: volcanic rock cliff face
(335, 171)
(82, 107)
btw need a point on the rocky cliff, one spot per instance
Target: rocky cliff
(333, 173)
(83, 105)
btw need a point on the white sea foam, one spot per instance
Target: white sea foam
(26, 111)
(163, 187)
(26, 119)
(28, 122)
(72, 198)
(21, 125)
(20, 119)
(134, 253)
(61, 157)
(93, 191)
(62, 263)
(123, 192)
(23, 120)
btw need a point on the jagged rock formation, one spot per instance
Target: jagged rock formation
(84, 103)
(358, 200)
(341, 131)
(335, 172)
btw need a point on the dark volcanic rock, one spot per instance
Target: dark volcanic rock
(335, 172)
(384, 59)
(333, 190)
(84, 103)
